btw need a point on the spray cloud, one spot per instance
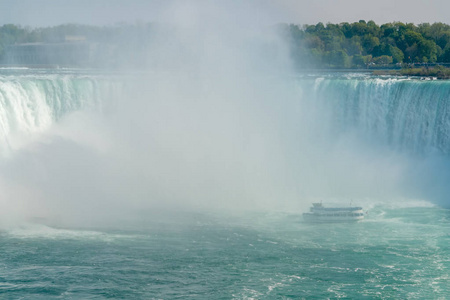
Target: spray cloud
(215, 122)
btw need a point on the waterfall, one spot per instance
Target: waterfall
(170, 138)
(31, 103)
(407, 115)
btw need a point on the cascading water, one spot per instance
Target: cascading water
(293, 145)
(160, 141)
(408, 115)
(31, 103)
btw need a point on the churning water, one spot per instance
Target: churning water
(138, 186)
(397, 252)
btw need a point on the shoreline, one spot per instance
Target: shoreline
(427, 72)
(432, 72)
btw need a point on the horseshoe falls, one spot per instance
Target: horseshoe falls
(169, 185)
(407, 115)
(30, 104)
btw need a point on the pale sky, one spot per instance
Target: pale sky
(37, 13)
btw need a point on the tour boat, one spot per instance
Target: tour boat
(319, 213)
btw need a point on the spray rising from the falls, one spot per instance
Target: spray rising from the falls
(396, 130)
(163, 143)
(217, 123)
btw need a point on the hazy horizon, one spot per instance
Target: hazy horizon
(266, 12)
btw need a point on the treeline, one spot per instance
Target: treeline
(118, 41)
(346, 45)
(13, 34)
(363, 44)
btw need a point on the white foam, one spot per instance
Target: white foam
(38, 231)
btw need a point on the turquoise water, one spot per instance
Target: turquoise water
(79, 147)
(395, 253)
(407, 114)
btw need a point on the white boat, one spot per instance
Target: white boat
(320, 214)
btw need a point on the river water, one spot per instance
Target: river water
(396, 252)
(163, 186)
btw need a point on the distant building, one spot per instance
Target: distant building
(75, 51)
(75, 38)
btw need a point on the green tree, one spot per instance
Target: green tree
(369, 42)
(383, 60)
(314, 42)
(427, 49)
(446, 55)
(397, 54)
(353, 45)
(358, 60)
(400, 41)
(338, 59)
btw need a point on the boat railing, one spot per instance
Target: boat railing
(336, 208)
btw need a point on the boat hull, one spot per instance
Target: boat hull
(320, 214)
(319, 218)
